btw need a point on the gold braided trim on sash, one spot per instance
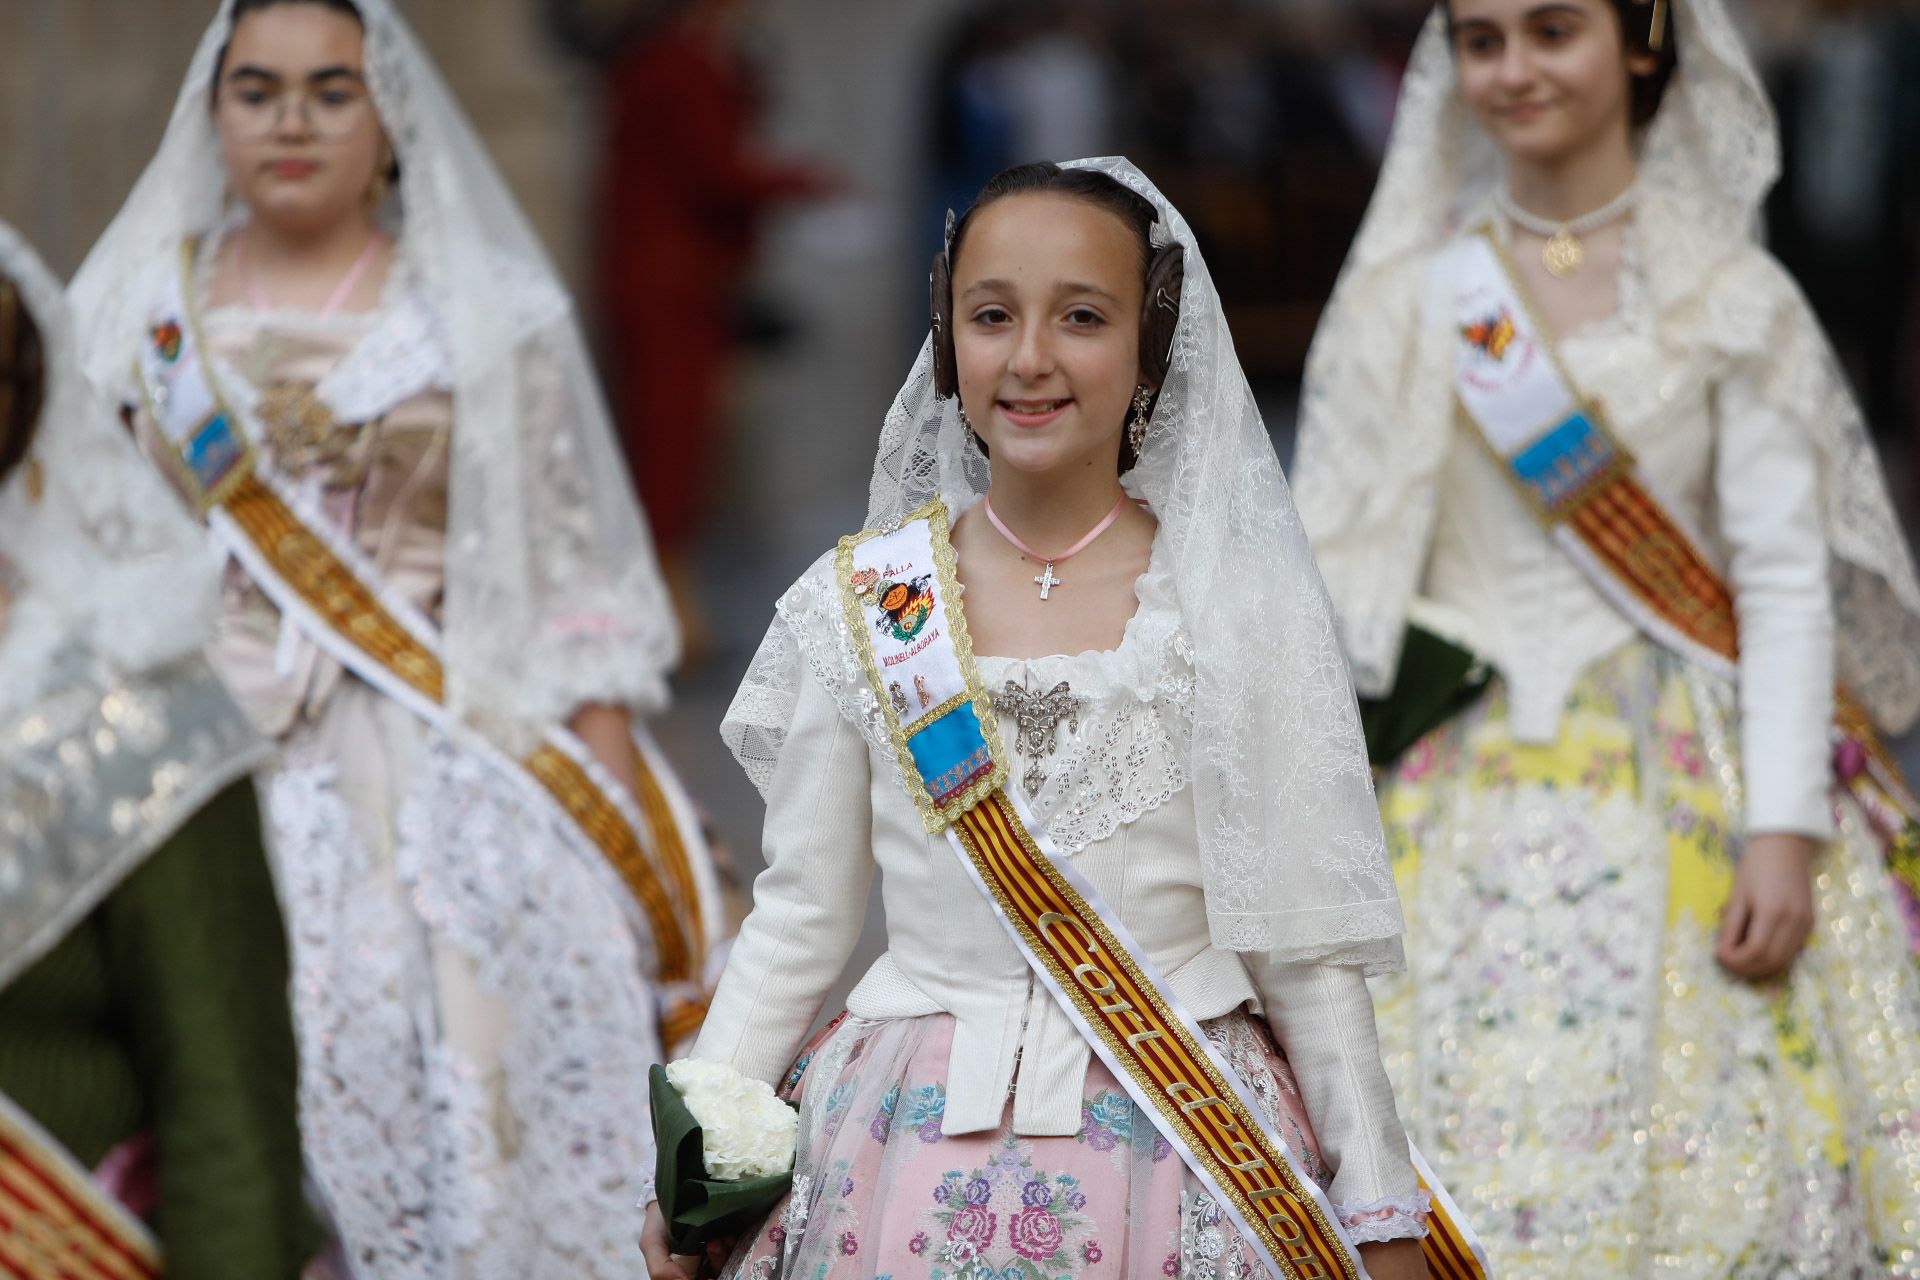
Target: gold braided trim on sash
(331, 589)
(1126, 1010)
(351, 608)
(55, 1224)
(672, 847)
(1853, 723)
(1638, 543)
(571, 785)
(1645, 550)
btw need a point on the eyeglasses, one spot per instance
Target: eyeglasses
(327, 112)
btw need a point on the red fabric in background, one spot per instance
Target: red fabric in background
(683, 188)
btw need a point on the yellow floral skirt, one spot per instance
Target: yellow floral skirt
(1602, 1098)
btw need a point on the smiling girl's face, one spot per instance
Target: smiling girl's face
(1047, 294)
(1548, 80)
(298, 129)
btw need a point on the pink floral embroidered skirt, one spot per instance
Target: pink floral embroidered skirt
(879, 1192)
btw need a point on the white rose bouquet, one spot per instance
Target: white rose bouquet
(725, 1150)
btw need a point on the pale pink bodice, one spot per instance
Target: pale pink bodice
(382, 481)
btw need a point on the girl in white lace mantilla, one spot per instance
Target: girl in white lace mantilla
(1180, 720)
(1661, 1010)
(475, 988)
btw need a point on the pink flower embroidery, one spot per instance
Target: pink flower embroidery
(1420, 760)
(1171, 1267)
(1036, 1234)
(918, 1244)
(1849, 759)
(849, 1243)
(1683, 753)
(974, 1226)
(1091, 1251)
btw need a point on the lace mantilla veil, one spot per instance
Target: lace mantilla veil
(553, 594)
(1374, 421)
(102, 555)
(1289, 833)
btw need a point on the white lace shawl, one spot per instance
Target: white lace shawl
(1288, 830)
(103, 557)
(1377, 406)
(554, 596)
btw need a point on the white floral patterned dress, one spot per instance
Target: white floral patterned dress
(1601, 1096)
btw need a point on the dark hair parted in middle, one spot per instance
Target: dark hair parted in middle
(23, 377)
(1640, 35)
(1163, 271)
(241, 8)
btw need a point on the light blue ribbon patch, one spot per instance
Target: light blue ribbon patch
(212, 452)
(951, 753)
(1561, 464)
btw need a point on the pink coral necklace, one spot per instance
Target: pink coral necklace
(1046, 578)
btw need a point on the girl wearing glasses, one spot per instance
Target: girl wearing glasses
(338, 337)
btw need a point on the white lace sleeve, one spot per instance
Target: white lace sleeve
(603, 632)
(808, 637)
(1370, 445)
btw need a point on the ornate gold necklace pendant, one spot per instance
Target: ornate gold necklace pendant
(1563, 254)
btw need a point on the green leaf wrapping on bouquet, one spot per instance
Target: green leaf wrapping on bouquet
(1435, 681)
(697, 1208)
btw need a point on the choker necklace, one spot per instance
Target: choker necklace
(1563, 254)
(1046, 579)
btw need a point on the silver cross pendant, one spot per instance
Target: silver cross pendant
(1048, 582)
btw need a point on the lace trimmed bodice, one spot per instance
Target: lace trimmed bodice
(355, 410)
(1727, 458)
(1116, 742)
(361, 412)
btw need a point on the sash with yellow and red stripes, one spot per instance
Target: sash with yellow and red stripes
(1585, 488)
(325, 585)
(898, 592)
(55, 1224)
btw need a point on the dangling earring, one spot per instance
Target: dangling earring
(966, 425)
(1137, 425)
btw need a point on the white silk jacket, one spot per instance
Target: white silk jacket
(1122, 810)
(1739, 472)
(1732, 469)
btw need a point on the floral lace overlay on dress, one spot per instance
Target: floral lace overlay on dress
(403, 356)
(1600, 1094)
(473, 1053)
